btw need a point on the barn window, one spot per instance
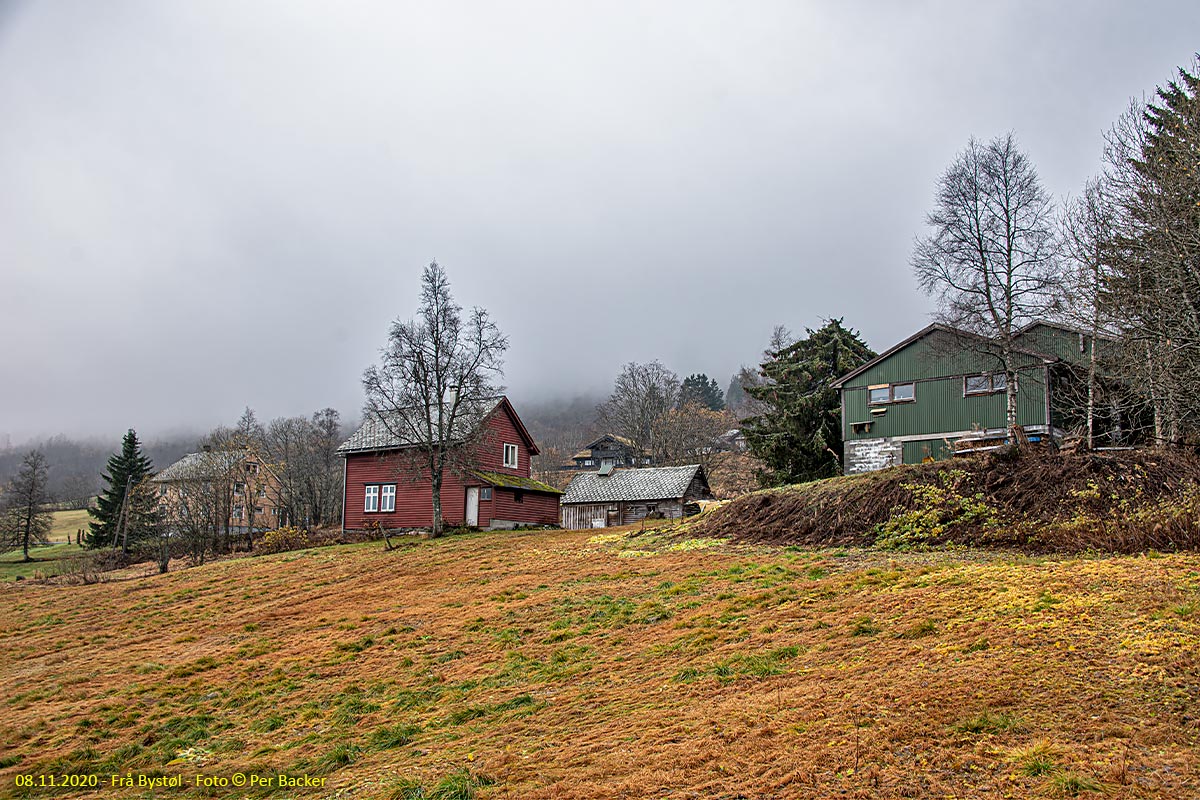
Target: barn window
(485, 493)
(372, 499)
(518, 496)
(387, 497)
(510, 455)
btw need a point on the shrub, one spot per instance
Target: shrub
(282, 539)
(937, 509)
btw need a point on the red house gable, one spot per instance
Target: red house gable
(386, 484)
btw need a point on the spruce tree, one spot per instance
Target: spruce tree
(126, 472)
(1154, 170)
(799, 435)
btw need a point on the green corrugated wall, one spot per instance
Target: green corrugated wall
(936, 365)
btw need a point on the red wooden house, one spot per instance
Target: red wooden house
(385, 483)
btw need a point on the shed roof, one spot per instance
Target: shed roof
(505, 481)
(627, 485)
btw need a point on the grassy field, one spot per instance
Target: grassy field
(46, 558)
(567, 665)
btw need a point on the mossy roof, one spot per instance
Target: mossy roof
(515, 482)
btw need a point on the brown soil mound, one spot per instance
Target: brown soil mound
(1121, 501)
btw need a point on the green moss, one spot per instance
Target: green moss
(515, 482)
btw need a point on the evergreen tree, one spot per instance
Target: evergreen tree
(124, 479)
(1154, 174)
(703, 391)
(799, 435)
(24, 520)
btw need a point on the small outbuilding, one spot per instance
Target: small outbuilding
(623, 496)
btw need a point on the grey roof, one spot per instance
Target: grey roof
(627, 485)
(196, 466)
(375, 435)
(921, 334)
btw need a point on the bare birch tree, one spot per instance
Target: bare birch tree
(991, 255)
(435, 379)
(636, 409)
(1089, 227)
(24, 518)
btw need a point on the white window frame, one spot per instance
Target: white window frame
(516, 456)
(485, 493)
(371, 500)
(387, 498)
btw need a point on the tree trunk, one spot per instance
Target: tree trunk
(436, 468)
(1015, 436)
(1091, 393)
(1155, 398)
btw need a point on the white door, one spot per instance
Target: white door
(472, 505)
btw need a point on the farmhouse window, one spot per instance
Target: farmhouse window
(258, 510)
(239, 487)
(518, 496)
(485, 493)
(892, 393)
(237, 512)
(984, 384)
(510, 455)
(372, 501)
(252, 468)
(387, 497)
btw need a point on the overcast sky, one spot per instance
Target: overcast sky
(206, 205)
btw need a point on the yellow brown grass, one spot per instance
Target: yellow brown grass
(563, 665)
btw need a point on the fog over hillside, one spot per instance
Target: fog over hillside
(208, 206)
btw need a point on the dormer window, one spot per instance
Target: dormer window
(510, 456)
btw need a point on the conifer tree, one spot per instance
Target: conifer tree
(703, 391)
(124, 481)
(1153, 160)
(799, 435)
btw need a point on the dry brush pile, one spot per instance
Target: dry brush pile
(1127, 501)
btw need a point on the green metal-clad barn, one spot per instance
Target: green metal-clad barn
(912, 402)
